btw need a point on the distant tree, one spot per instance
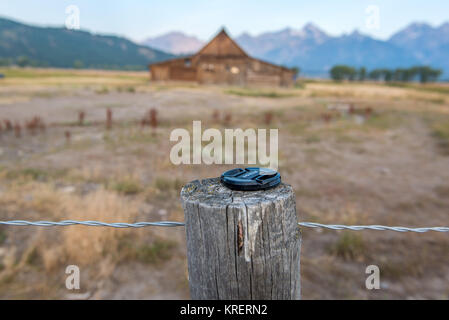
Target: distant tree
(4, 62)
(36, 63)
(381, 74)
(375, 74)
(435, 74)
(422, 73)
(296, 71)
(362, 74)
(134, 68)
(23, 61)
(342, 72)
(398, 74)
(78, 64)
(388, 75)
(352, 73)
(407, 74)
(426, 74)
(413, 73)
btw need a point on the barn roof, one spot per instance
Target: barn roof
(222, 45)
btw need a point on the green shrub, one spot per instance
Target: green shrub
(348, 246)
(440, 131)
(165, 184)
(30, 173)
(258, 93)
(156, 252)
(33, 258)
(2, 237)
(127, 186)
(103, 90)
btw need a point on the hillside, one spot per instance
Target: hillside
(63, 48)
(316, 52)
(429, 45)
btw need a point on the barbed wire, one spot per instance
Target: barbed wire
(372, 227)
(180, 224)
(92, 223)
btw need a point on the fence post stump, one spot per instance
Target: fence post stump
(241, 245)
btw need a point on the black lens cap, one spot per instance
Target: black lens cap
(250, 179)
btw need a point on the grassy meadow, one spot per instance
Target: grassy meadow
(355, 153)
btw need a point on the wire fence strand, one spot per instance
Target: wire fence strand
(180, 224)
(372, 227)
(92, 223)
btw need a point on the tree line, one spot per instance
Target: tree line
(21, 61)
(422, 74)
(24, 61)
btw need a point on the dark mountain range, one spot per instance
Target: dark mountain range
(60, 47)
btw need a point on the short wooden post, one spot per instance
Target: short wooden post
(241, 245)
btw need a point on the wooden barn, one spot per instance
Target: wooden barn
(222, 61)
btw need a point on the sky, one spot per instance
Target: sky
(139, 19)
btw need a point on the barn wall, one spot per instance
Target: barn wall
(266, 74)
(231, 69)
(287, 79)
(160, 73)
(225, 71)
(183, 73)
(255, 78)
(176, 69)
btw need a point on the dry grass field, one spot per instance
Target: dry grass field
(354, 154)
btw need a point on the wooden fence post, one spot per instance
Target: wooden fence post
(241, 245)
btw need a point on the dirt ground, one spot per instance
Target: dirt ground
(355, 153)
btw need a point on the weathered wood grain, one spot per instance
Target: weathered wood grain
(241, 245)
